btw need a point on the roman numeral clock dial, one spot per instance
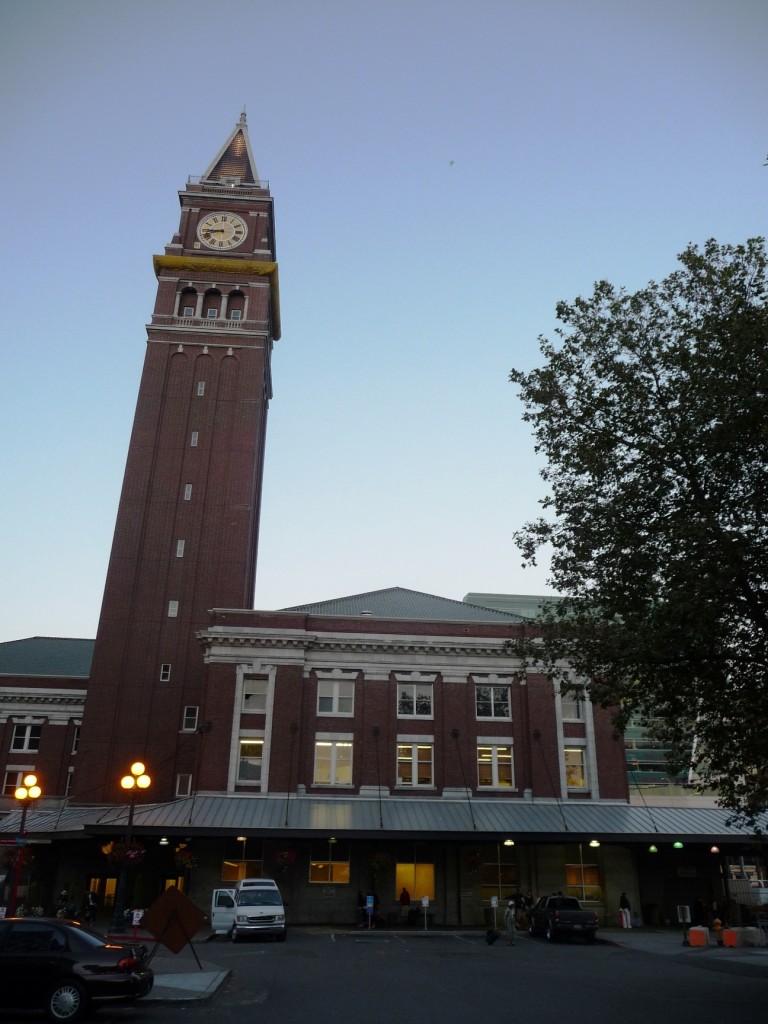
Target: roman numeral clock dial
(222, 231)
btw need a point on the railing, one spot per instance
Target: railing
(251, 188)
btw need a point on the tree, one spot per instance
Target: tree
(652, 413)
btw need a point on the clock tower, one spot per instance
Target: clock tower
(188, 520)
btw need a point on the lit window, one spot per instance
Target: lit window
(414, 700)
(418, 879)
(335, 697)
(184, 784)
(179, 548)
(255, 694)
(575, 769)
(195, 435)
(249, 766)
(187, 492)
(582, 880)
(173, 609)
(200, 388)
(329, 863)
(414, 764)
(333, 763)
(165, 672)
(492, 702)
(494, 765)
(189, 720)
(26, 738)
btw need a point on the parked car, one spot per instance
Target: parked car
(558, 916)
(64, 968)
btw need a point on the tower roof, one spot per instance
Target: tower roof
(235, 158)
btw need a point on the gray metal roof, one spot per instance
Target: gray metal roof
(47, 656)
(454, 818)
(400, 603)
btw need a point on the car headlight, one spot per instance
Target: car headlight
(279, 917)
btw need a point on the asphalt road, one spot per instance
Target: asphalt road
(356, 977)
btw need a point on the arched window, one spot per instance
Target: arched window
(187, 302)
(236, 306)
(211, 304)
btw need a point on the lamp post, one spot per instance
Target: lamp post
(138, 779)
(26, 794)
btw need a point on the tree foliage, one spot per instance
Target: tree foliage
(651, 411)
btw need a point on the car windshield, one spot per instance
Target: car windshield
(259, 898)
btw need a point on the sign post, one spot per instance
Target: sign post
(425, 905)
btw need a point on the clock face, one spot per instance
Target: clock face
(222, 231)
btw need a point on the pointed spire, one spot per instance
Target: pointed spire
(235, 158)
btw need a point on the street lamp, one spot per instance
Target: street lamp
(138, 779)
(26, 793)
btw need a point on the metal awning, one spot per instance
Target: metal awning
(391, 817)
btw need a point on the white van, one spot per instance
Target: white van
(253, 907)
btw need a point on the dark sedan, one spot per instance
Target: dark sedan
(63, 967)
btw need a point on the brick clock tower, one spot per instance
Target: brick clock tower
(188, 521)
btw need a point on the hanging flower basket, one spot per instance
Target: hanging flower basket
(19, 856)
(125, 854)
(380, 861)
(184, 857)
(473, 861)
(285, 858)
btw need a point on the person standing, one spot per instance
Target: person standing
(405, 904)
(625, 911)
(509, 922)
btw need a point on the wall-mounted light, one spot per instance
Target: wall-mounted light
(509, 842)
(594, 843)
(714, 849)
(164, 841)
(653, 848)
(677, 846)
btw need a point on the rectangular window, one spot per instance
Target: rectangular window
(13, 780)
(575, 768)
(26, 738)
(329, 863)
(173, 609)
(165, 672)
(249, 765)
(75, 740)
(494, 765)
(419, 880)
(187, 492)
(235, 314)
(414, 764)
(572, 708)
(499, 877)
(195, 436)
(414, 700)
(335, 697)
(189, 311)
(200, 388)
(180, 548)
(189, 718)
(333, 763)
(211, 313)
(492, 702)
(255, 695)
(583, 882)
(184, 784)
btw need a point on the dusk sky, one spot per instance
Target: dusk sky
(443, 173)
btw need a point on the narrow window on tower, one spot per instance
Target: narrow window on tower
(195, 436)
(187, 492)
(180, 548)
(173, 609)
(211, 313)
(165, 672)
(234, 314)
(75, 740)
(201, 388)
(189, 311)
(189, 719)
(183, 784)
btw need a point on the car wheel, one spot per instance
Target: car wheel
(67, 1001)
(233, 934)
(531, 930)
(550, 933)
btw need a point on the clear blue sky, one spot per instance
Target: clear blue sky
(443, 173)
